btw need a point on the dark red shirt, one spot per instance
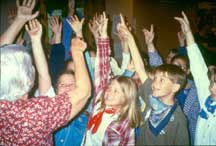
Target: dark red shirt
(32, 121)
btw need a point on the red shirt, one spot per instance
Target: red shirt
(32, 121)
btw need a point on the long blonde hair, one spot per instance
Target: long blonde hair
(130, 110)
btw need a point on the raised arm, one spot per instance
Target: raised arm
(154, 57)
(34, 29)
(102, 66)
(181, 39)
(12, 13)
(137, 60)
(197, 64)
(76, 25)
(81, 93)
(57, 55)
(24, 14)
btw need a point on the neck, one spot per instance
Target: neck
(168, 100)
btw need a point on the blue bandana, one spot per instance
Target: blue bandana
(160, 115)
(210, 108)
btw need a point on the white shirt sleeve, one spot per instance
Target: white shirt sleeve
(49, 93)
(114, 65)
(199, 71)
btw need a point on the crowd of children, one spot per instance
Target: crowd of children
(89, 100)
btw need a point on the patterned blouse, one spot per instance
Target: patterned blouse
(32, 121)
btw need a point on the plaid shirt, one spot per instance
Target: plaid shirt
(117, 133)
(102, 67)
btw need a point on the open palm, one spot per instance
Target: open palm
(24, 11)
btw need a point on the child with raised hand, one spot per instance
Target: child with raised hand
(115, 113)
(164, 121)
(187, 97)
(206, 88)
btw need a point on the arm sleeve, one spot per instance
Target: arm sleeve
(199, 71)
(125, 61)
(102, 66)
(155, 59)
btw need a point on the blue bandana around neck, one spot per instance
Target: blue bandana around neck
(160, 115)
(210, 108)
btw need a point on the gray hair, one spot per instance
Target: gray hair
(17, 72)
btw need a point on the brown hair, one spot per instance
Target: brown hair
(175, 74)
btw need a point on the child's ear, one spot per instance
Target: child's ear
(176, 88)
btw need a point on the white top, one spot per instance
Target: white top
(96, 139)
(114, 65)
(206, 128)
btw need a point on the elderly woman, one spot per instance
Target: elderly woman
(26, 121)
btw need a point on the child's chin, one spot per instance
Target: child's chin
(156, 95)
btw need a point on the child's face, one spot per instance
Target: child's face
(114, 95)
(181, 63)
(162, 86)
(65, 83)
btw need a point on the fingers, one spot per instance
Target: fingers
(32, 4)
(122, 19)
(28, 4)
(35, 15)
(54, 20)
(151, 29)
(17, 3)
(179, 19)
(185, 17)
(33, 24)
(24, 3)
(26, 27)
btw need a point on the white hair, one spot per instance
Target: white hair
(17, 72)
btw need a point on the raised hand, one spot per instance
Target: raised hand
(76, 25)
(34, 29)
(149, 35)
(185, 25)
(93, 26)
(77, 44)
(124, 30)
(56, 26)
(102, 25)
(24, 11)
